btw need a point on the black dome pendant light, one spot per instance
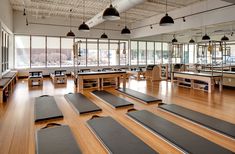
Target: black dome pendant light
(70, 33)
(191, 41)
(104, 36)
(224, 38)
(166, 20)
(206, 37)
(84, 27)
(111, 13)
(174, 39)
(125, 30)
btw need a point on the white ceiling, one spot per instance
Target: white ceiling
(212, 30)
(48, 8)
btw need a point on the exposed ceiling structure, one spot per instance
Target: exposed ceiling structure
(212, 30)
(49, 8)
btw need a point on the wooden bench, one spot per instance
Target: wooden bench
(7, 84)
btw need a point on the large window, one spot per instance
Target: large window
(158, 52)
(22, 51)
(134, 52)
(38, 51)
(92, 52)
(66, 52)
(103, 53)
(142, 53)
(53, 52)
(5, 51)
(165, 53)
(124, 53)
(46, 51)
(177, 52)
(114, 52)
(150, 52)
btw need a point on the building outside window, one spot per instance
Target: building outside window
(22, 51)
(53, 52)
(38, 51)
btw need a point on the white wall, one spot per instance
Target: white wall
(6, 14)
(6, 22)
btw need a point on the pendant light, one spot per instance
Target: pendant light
(111, 13)
(191, 41)
(206, 37)
(174, 39)
(224, 38)
(125, 30)
(84, 27)
(70, 33)
(166, 20)
(104, 36)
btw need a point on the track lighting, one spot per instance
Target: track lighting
(27, 22)
(151, 26)
(166, 20)
(24, 14)
(184, 20)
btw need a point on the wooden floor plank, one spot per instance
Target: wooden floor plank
(17, 129)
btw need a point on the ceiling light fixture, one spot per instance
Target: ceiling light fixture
(24, 14)
(27, 22)
(84, 27)
(224, 38)
(184, 20)
(104, 36)
(111, 13)
(125, 30)
(166, 20)
(206, 37)
(174, 39)
(70, 33)
(191, 41)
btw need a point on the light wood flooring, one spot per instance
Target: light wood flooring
(17, 128)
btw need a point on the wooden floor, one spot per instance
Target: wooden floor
(17, 128)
